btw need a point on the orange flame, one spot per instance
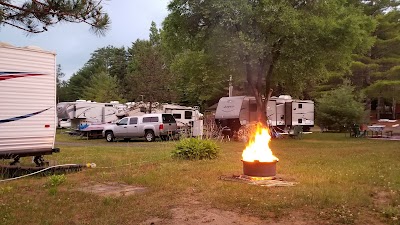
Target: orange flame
(258, 148)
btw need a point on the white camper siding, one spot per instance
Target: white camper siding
(271, 113)
(229, 107)
(26, 95)
(302, 113)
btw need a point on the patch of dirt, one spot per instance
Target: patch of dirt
(193, 211)
(381, 198)
(112, 189)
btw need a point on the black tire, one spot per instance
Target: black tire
(127, 139)
(149, 136)
(109, 136)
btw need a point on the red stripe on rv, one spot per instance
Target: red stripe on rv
(6, 77)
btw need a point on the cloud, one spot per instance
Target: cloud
(73, 43)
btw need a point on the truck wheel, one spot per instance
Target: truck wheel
(149, 136)
(109, 136)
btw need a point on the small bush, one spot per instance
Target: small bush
(339, 109)
(56, 180)
(195, 149)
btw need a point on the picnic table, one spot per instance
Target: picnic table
(376, 130)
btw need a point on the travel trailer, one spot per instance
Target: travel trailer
(283, 112)
(28, 102)
(88, 118)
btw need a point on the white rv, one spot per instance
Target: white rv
(27, 102)
(282, 111)
(84, 113)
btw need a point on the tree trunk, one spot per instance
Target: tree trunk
(394, 108)
(379, 109)
(265, 68)
(150, 106)
(256, 92)
(367, 109)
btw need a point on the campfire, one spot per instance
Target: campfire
(258, 160)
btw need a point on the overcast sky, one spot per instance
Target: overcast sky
(73, 43)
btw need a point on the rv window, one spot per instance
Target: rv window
(124, 121)
(150, 119)
(177, 116)
(300, 106)
(253, 107)
(168, 118)
(188, 115)
(300, 120)
(133, 120)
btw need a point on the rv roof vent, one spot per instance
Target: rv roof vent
(114, 102)
(80, 100)
(285, 96)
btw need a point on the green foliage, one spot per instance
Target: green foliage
(109, 60)
(338, 109)
(62, 86)
(195, 149)
(268, 43)
(37, 15)
(102, 88)
(147, 71)
(56, 180)
(382, 61)
(194, 73)
(384, 88)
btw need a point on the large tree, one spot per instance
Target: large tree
(292, 43)
(382, 62)
(110, 60)
(148, 75)
(37, 16)
(102, 88)
(62, 85)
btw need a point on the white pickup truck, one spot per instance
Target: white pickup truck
(149, 126)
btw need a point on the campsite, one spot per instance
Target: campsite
(339, 180)
(199, 112)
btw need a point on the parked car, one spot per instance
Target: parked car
(149, 126)
(64, 123)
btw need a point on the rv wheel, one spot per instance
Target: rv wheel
(109, 136)
(149, 136)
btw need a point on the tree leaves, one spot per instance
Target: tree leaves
(37, 15)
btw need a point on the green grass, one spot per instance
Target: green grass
(340, 181)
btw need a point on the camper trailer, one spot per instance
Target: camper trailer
(283, 112)
(28, 102)
(89, 117)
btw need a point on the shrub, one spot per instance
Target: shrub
(339, 109)
(195, 149)
(56, 180)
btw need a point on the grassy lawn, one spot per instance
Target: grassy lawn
(342, 180)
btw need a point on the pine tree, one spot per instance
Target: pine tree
(37, 16)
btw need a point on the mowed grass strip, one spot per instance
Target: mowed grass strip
(340, 180)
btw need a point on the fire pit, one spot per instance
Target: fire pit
(259, 169)
(257, 158)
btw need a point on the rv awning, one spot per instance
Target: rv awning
(229, 107)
